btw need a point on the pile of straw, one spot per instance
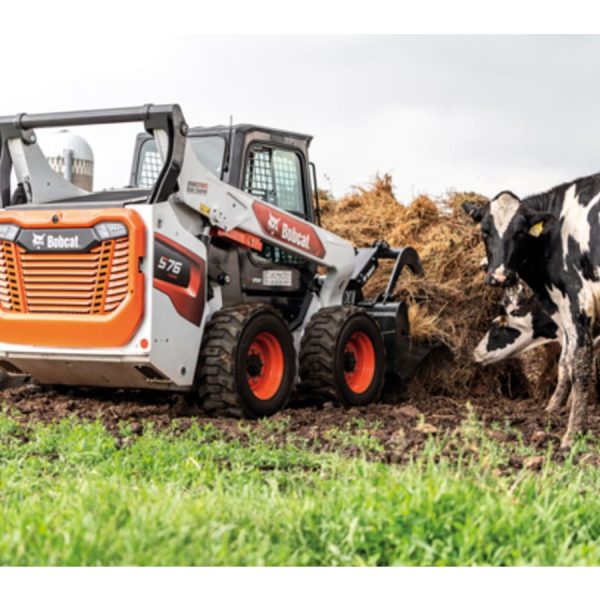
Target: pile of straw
(451, 303)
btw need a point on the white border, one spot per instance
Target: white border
(141, 18)
(294, 583)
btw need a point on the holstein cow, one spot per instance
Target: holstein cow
(523, 325)
(551, 241)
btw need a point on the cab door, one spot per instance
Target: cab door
(278, 176)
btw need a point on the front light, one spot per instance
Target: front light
(8, 232)
(109, 230)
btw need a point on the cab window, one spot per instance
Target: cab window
(209, 149)
(275, 176)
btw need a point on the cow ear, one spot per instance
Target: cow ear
(474, 210)
(540, 223)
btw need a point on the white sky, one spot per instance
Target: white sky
(480, 113)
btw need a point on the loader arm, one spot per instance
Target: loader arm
(19, 149)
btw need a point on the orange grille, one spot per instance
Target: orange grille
(95, 282)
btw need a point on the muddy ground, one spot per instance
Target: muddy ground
(400, 425)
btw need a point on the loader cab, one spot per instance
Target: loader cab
(268, 163)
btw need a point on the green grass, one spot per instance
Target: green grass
(69, 495)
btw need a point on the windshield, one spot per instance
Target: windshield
(210, 151)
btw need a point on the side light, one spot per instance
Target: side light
(9, 232)
(109, 230)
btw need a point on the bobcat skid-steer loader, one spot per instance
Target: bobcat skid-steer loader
(204, 274)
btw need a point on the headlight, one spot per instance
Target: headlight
(8, 232)
(109, 230)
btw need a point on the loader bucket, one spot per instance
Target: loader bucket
(410, 354)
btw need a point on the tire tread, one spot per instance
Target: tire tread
(317, 349)
(217, 390)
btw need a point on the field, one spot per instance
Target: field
(459, 465)
(141, 483)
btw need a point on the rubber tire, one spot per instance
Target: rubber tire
(223, 388)
(322, 356)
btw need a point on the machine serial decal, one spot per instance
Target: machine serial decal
(293, 232)
(197, 187)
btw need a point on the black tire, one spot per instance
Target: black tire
(233, 380)
(325, 368)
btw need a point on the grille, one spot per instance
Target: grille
(95, 282)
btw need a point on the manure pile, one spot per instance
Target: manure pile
(450, 304)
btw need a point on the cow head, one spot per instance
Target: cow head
(509, 230)
(522, 325)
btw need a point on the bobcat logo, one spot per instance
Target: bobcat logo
(273, 224)
(38, 240)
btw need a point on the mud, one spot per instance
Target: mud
(399, 425)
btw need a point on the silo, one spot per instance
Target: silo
(71, 156)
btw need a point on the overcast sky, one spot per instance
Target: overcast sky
(480, 113)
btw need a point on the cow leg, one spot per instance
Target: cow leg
(563, 384)
(580, 360)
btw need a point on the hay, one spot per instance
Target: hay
(451, 304)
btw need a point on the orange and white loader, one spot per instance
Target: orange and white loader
(207, 273)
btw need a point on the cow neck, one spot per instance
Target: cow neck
(534, 269)
(551, 201)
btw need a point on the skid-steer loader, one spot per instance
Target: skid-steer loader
(207, 273)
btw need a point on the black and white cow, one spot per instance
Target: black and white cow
(523, 325)
(551, 241)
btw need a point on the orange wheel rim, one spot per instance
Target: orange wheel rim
(359, 362)
(264, 365)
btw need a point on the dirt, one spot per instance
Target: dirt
(401, 426)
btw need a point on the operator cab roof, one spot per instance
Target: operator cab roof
(246, 128)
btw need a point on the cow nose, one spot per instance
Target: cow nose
(481, 356)
(492, 280)
(500, 277)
